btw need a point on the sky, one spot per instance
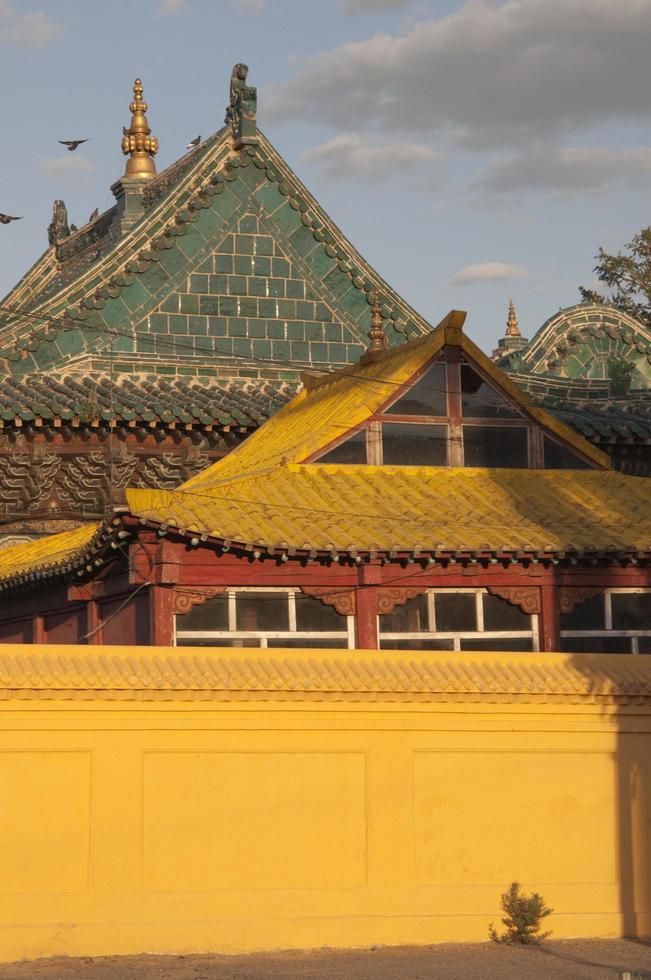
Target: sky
(471, 151)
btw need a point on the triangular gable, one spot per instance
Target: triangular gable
(188, 280)
(341, 403)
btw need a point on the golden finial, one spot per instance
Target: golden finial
(376, 334)
(512, 328)
(137, 141)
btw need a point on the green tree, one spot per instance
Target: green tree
(523, 915)
(628, 277)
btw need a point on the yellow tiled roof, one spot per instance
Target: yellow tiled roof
(51, 552)
(348, 397)
(402, 508)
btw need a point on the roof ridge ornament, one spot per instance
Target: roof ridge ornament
(137, 141)
(242, 107)
(512, 327)
(379, 340)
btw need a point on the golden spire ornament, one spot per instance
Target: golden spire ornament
(137, 142)
(512, 328)
(379, 342)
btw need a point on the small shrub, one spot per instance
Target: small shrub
(522, 917)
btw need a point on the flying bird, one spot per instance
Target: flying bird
(195, 142)
(72, 144)
(5, 219)
(94, 215)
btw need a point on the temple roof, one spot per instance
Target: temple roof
(224, 260)
(267, 498)
(582, 342)
(77, 398)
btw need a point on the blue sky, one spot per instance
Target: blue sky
(470, 151)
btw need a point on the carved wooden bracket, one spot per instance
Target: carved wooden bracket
(185, 598)
(388, 599)
(526, 597)
(571, 596)
(343, 600)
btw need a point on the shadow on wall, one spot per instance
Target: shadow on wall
(632, 720)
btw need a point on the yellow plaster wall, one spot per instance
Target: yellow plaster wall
(256, 823)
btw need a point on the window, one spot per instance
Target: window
(485, 445)
(424, 397)
(613, 621)
(353, 450)
(453, 416)
(479, 400)
(458, 619)
(557, 457)
(264, 618)
(405, 444)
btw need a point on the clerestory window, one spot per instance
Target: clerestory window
(612, 621)
(452, 416)
(264, 618)
(458, 619)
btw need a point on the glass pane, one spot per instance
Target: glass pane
(644, 644)
(516, 643)
(588, 615)
(595, 644)
(312, 614)
(631, 610)
(479, 400)
(215, 642)
(410, 618)
(557, 457)
(425, 397)
(210, 615)
(455, 612)
(312, 642)
(485, 445)
(262, 611)
(353, 450)
(501, 615)
(404, 444)
(393, 643)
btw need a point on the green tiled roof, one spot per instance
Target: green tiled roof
(142, 398)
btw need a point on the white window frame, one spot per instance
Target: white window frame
(608, 631)
(457, 636)
(263, 636)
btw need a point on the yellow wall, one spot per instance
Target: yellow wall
(143, 812)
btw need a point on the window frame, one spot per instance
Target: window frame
(262, 636)
(458, 635)
(608, 631)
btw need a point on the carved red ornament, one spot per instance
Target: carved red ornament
(571, 596)
(526, 597)
(185, 598)
(388, 599)
(343, 600)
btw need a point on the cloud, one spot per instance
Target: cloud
(168, 7)
(487, 272)
(348, 156)
(67, 166)
(490, 74)
(370, 6)
(563, 171)
(249, 6)
(35, 30)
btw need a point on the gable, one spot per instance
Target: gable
(454, 412)
(148, 301)
(582, 341)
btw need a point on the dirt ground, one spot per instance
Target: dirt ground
(577, 959)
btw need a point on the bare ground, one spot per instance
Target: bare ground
(576, 959)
